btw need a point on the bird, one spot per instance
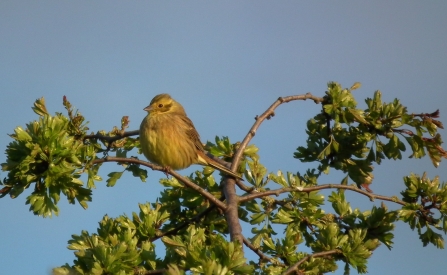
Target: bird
(168, 137)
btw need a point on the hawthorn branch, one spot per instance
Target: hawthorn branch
(269, 113)
(113, 138)
(262, 256)
(316, 188)
(196, 218)
(244, 187)
(231, 213)
(179, 177)
(229, 189)
(151, 272)
(294, 267)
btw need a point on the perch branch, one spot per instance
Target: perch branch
(180, 178)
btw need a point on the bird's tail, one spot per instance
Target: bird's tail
(206, 160)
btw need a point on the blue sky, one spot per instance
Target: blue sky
(226, 62)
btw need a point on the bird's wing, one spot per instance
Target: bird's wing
(192, 134)
(203, 159)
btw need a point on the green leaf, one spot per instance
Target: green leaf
(137, 171)
(359, 115)
(429, 236)
(282, 217)
(257, 218)
(39, 107)
(113, 177)
(393, 148)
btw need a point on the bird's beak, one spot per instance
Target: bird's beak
(148, 108)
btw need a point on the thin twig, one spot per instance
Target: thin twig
(267, 115)
(276, 192)
(294, 267)
(113, 138)
(261, 255)
(244, 187)
(186, 223)
(151, 272)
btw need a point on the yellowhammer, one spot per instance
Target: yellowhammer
(168, 137)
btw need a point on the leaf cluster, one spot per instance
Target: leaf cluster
(352, 140)
(126, 246)
(49, 155)
(352, 233)
(120, 246)
(426, 208)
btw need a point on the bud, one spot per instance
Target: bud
(355, 86)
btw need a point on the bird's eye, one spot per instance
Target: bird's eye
(160, 105)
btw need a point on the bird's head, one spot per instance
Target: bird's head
(164, 103)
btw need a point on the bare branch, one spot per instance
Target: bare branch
(270, 112)
(179, 177)
(294, 267)
(319, 187)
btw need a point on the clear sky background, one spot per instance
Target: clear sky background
(226, 62)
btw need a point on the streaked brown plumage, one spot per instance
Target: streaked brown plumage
(168, 137)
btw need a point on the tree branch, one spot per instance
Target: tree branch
(316, 188)
(229, 189)
(151, 272)
(113, 138)
(270, 112)
(261, 255)
(231, 213)
(186, 223)
(294, 267)
(179, 177)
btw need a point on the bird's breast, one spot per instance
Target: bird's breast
(164, 142)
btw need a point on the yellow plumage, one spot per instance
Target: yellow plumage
(168, 137)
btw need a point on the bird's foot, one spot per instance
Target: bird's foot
(166, 170)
